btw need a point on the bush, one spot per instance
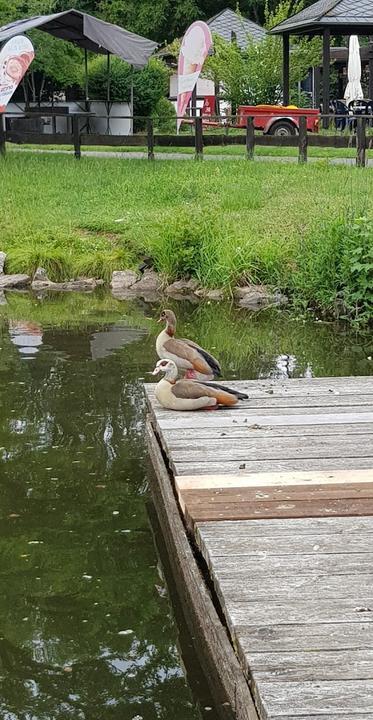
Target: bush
(335, 268)
(149, 84)
(164, 116)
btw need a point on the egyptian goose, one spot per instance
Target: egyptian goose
(186, 354)
(176, 394)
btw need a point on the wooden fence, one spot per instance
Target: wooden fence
(199, 138)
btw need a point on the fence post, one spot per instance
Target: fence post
(2, 135)
(250, 137)
(150, 138)
(360, 141)
(76, 136)
(303, 139)
(198, 138)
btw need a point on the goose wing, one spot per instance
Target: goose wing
(210, 359)
(182, 350)
(189, 389)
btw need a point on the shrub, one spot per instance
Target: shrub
(149, 84)
(164, 116)
(335, 268)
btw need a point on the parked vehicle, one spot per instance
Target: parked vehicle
(277, 119)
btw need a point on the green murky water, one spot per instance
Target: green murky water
(86, 629)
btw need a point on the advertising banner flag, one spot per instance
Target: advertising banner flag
(15, 58)
(193, 52)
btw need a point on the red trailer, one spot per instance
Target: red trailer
(277, 119)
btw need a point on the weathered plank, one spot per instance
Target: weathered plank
(299, 666)
(299, 587)
(199, 467)
(229, 418)
(221, 544)
(288, 528)
(301, 401)
(260, 614)
(265, 431)
(305, 638)
(244, 566)
(277, 448)
(323, 697)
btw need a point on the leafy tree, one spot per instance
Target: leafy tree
(149, 84)
(254, 75)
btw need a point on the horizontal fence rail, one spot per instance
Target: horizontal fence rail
(198, 137)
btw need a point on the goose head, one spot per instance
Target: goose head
(167, 367)
(168, 317)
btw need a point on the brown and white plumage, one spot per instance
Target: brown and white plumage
(176, 394)
(196, 362)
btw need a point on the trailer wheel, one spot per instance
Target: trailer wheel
(282, 128)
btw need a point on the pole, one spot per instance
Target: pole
(76, 136)
(303, 139)
(360, 141)
(193, 102)
(198, 138)
(285, 69)
(250, 138)
(86, 79)
(2, 135)
(326, 77)
(371, 68)
(150, 138)
(131, 102)
(108, 95)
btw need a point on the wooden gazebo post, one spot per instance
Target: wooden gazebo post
(285, 69)
(326, 76)
(370, 58)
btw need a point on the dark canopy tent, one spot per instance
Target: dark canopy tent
(326, 18)
(87, 32)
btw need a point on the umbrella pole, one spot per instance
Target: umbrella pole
(86, 79)
(108, 95)
(131, 102)
(371, 68)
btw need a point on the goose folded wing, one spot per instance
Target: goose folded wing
(210, 359)
(182, 350)
(187, 389)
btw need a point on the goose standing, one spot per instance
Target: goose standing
(176, 394)
(186, 354)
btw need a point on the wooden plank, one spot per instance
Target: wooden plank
(277, 480)
(287, 528)
(336, 491)
(265, 448)
(325, 665)
(197, 467)
(259, 614)
(223, 672)
(277, 699)
(266, 431)
(201, 512)
(294, 588)
(221, 544)
(229, 418)
(244, 566)
(306, 638)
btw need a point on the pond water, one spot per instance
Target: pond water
(87, 631)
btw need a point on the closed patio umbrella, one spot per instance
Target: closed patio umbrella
(354, 90)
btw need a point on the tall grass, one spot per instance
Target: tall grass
(222, 223)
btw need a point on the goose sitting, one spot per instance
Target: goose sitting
(176, 394)
(186, 354)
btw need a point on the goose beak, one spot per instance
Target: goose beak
(160, 320)
(156, 371)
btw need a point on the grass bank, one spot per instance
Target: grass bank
(220, 222)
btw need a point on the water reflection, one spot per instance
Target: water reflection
(86, 625)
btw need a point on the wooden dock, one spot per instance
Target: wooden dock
(268, 510)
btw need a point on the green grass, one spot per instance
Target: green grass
(220, 222)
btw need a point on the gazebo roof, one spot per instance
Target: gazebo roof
(228, 21)
(341, 16)
(87, 32)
